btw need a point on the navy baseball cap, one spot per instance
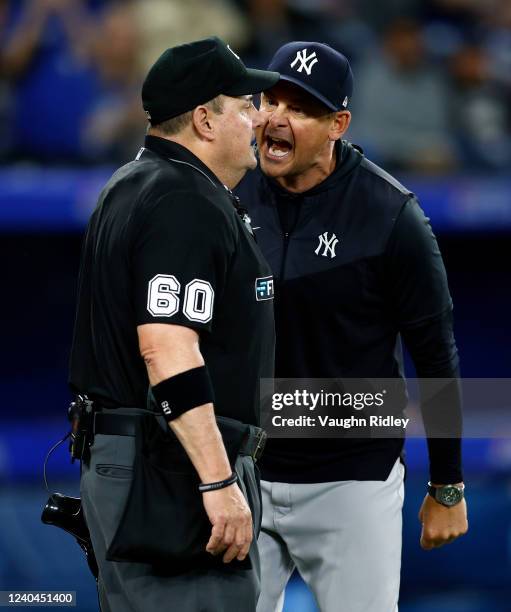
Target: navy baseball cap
(188, 75)
(318, 69)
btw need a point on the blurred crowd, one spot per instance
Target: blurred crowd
(432, 77)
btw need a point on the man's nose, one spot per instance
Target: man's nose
(278, 117)
(257, 118)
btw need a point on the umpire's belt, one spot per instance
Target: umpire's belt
(126, 425)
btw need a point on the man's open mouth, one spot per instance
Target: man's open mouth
(278, 147)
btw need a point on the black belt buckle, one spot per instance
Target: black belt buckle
(261, 437)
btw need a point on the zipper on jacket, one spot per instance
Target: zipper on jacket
(287, 224)
(284, 256)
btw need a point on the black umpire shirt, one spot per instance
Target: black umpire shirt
(166, 244)
(356, 266)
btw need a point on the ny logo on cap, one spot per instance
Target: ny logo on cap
(306, 61)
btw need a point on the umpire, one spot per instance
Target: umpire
(169, 297)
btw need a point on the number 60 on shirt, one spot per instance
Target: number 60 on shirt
(163, 298)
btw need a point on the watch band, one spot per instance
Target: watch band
(448, 495)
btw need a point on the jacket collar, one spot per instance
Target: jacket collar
(170, 150)
(349, 157)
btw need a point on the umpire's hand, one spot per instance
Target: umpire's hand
(231, 518)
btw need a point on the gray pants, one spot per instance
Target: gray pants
(344, 538)
(134, 587)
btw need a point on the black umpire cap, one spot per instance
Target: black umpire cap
(194, 73)
(318, 69)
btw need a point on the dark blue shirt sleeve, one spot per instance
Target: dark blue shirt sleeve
(422, 307)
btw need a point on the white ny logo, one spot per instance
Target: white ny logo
(329, 245)
(303, 58)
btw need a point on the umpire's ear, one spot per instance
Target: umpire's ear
(203, 126)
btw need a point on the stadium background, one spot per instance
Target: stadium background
(431, 104)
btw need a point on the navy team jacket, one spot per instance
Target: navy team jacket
(357, 267)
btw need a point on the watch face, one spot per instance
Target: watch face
(449, 496)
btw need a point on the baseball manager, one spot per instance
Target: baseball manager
(357, 268)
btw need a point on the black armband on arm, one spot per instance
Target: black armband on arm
(178, 394)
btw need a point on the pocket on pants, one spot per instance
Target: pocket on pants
(114, 471)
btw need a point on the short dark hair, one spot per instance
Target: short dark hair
(174, 125)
